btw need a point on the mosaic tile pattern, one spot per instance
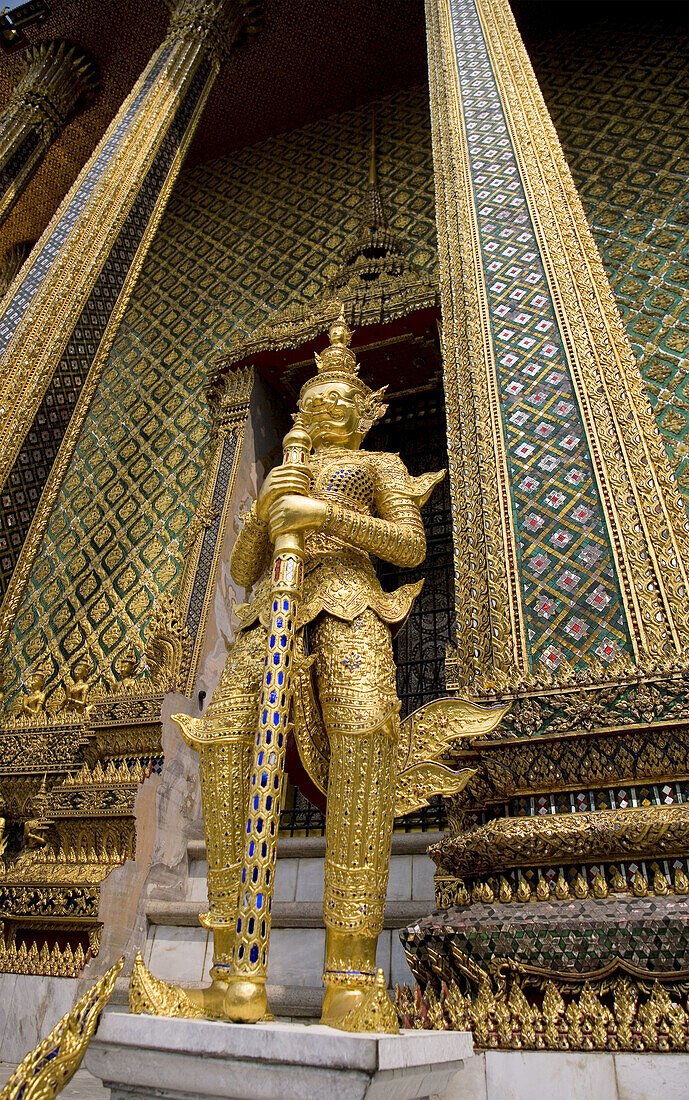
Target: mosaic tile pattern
(19, 304)
(569, 587)
(30, 472)
(619, 102)
(573, 936)
(619, 798)
(241, 236)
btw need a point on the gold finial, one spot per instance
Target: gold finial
(340, 332)
(372, 165)
(337, 359)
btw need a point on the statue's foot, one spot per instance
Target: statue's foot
(152, 997)
(360, 1007)
(209, 1000)
(246, 1002)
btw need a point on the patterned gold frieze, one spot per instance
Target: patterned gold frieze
(631, 1019)
(68, 784)
(642, 832)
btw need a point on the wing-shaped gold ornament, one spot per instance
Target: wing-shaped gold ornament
(47, 1069)
(424, 737)
(423, 486)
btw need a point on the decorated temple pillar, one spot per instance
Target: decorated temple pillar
(11, 262)
(58, 77)
(569, 523)
(58, 323)
(566, 874)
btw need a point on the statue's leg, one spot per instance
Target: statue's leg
(224, 738)
(356, 686)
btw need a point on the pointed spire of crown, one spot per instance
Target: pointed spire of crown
(338, 358)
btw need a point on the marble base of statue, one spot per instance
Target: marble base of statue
(141, 1056)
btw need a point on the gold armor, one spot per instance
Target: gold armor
(345, 711)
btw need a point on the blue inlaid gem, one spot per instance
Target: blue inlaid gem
(259, 901)
(259, 825)
(253, 954)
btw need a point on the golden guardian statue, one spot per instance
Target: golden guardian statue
(313, 656)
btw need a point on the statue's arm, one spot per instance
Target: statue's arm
(251, 551)
(396, 534)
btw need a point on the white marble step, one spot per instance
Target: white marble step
(184, 954)
(299, 871)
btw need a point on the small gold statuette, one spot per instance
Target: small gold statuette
(33, 702)
(314, 653)
(76, 693)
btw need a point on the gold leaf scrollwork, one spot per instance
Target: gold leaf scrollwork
(168, 646)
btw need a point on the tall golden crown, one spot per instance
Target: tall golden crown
(338, 364)
(338, 358)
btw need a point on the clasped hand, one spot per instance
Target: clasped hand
(283, 503)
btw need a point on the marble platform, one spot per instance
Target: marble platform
(144, 1056)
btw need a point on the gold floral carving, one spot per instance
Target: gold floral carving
(502, 843)
(71, 780)
(168, 646)
(627, 1019)
(46, 1070)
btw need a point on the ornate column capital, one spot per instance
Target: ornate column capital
(57, 76)
(220, 21)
